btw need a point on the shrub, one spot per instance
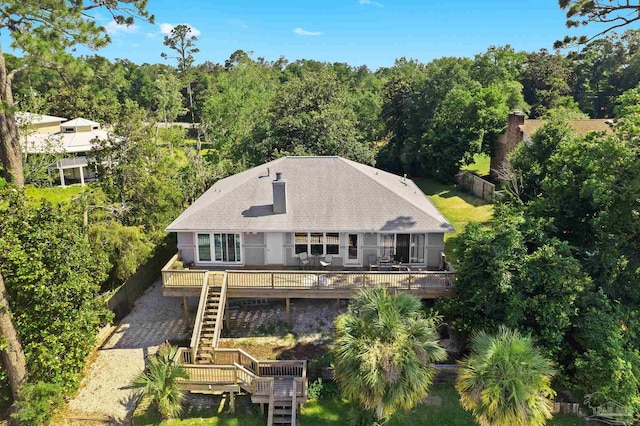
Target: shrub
(37, 403)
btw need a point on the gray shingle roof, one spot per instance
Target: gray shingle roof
(324, 194)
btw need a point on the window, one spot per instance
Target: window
(387, 245)
(417, 248)
(301, 242)
(204, 247)
(226, 248)
(333, 243)
(317, 243)
(353, 247)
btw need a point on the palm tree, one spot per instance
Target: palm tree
(160, 381)
(383, 351)
(506, 380)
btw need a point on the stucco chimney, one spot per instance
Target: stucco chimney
(279, 194)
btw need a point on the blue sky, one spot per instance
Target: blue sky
(369, 32)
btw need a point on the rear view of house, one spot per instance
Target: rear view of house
(316, 207)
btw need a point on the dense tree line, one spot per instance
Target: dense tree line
(560, 259)
(421, 119)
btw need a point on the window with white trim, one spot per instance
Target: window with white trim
(204, 247)
(387, 245)
(418, 241)
(317, 243)
(226, 248)
(302, 242)
(332, 242)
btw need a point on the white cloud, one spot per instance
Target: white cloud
(165, 28)
(375, 3)
(301, 31)
(113, 28)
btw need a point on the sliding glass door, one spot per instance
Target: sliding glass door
(226, 248)
(404, 248)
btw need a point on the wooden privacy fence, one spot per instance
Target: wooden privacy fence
(146, 275)
(478, 186)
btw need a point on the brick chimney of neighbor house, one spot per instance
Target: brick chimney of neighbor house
(279, 194)
(506, 142)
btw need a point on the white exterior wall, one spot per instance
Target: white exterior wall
(187, 247)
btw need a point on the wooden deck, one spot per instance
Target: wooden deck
(307, 284)
(233, 369)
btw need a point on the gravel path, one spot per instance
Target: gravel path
(104, 392)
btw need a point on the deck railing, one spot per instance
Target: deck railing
(181, 277)
(343, 280)
(269, 368)
(294, 368)
(207, 374)
(317, 280)
(249, 373)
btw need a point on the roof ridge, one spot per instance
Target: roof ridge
(394, 192)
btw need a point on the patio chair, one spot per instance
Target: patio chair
(326, 262)
(373, 263)
(303, 260)
(384, 262)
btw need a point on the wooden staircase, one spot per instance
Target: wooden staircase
(280, 384)
(285, 412)
(208, 324)
(211, 324)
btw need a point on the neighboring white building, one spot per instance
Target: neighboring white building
(320, 206)
(76, 138)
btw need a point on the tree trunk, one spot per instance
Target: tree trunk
(193, 118)
(10, 152)
(12, 356)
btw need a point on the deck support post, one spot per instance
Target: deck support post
(232, 402)
(226, 311)
(262, 408)
(287, 303)
(338, 303)
(186, 308)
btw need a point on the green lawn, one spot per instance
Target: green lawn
(333, 411)
(458, 206)
(53, 194)
(480, 166)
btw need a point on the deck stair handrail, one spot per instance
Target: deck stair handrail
(220, 315)
(299, 388)
(197, 327)
(245, 378)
